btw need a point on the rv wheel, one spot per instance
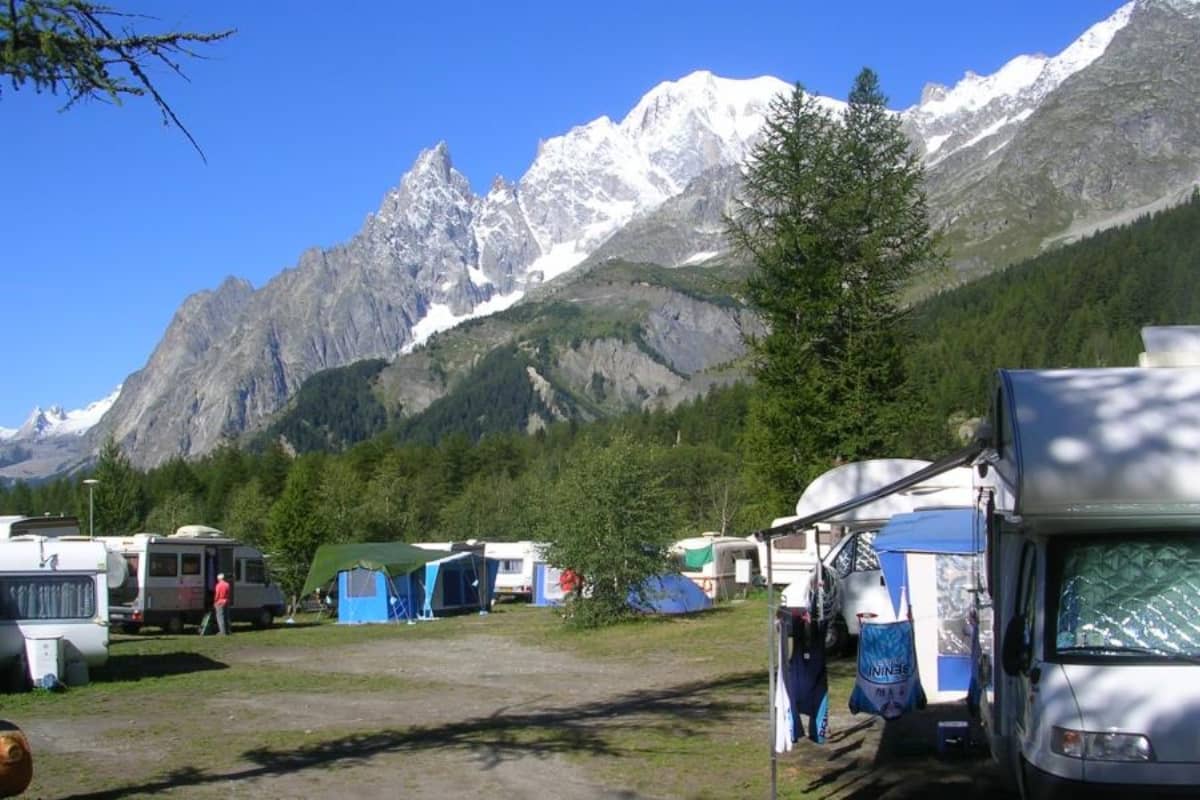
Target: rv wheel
(264, 619)
(174, 625)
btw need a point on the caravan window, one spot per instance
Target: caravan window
(189, 564)
(47, 597)
(164, 565)
(512, 565)
(254, 572)
(793, 541)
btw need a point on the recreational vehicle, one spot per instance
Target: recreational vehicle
(1091, 575)
(172, 578)
(516, 566)
(48, 526)
(55, 588)
(710, 561)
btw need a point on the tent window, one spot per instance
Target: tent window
(164, 565)
(47, 597)
(793, 541)
(360, 583)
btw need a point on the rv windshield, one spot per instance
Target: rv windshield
(1121, 596)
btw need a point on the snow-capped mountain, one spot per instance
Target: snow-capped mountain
(1014, 159)
(54, 421)
(432, 255)
(949, 120)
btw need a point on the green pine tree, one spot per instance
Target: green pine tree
(834, 218)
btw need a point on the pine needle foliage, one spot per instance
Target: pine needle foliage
(87, 51)
(834, 218)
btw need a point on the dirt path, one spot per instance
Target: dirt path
(469, 716)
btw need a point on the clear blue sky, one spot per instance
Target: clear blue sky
(315, 109)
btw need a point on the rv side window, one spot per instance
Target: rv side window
(827, 538)
(164, 565)
(189, 564)
(255, 572)
(793, 541)
(511, 565)
(1028, 585)
(47, 597)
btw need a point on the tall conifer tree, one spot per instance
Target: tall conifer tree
(834, 217)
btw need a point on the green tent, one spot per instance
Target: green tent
(395, 558)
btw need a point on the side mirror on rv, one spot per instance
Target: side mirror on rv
(1014, 655)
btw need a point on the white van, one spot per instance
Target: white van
(516, 566)
(1092, 579)
(55, 587)
(172, 578)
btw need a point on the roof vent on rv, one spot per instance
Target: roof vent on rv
(198, 532)
(1170, 346)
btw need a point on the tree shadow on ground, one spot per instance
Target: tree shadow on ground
(120, 668)
(907, 763)
(505, 734)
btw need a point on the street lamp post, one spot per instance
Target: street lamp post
(91, 484)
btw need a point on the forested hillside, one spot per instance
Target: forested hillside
(1080, 306)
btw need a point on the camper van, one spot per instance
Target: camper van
(516, 566)
(172, 578)
(54, 588)
(1091, 580)
(710, 562)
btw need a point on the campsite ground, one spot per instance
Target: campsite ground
(511, 704)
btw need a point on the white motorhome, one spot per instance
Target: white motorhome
(54, 587)
(172, 578)
(710, 562)
(1092, 578)
(852, 560)
(516, 566)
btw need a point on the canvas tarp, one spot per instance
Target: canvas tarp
(394, 558)
(695, 558)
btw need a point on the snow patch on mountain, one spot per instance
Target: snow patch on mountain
(54, 421)
(440, 317)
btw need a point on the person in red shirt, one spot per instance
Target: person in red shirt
(221, 604)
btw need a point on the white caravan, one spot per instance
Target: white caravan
(516, 566)
(172, 579)
(710, 562)
(860, 588)
(55, 588)
(1092, 572)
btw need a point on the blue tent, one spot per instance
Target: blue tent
(946, 534)
(455, 582)
(669, 593)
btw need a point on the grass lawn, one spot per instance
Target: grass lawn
(657, 707)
